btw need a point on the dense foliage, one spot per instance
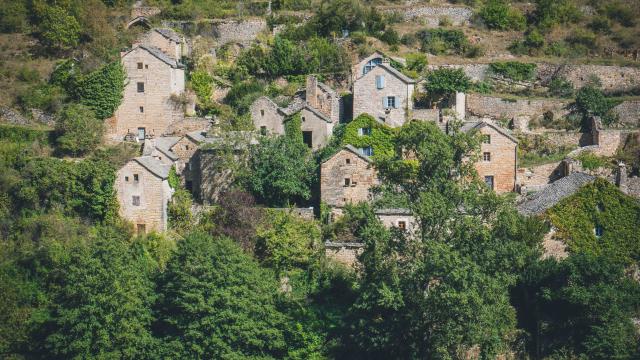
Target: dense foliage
(380, 137)
(514, 70)
(499, 15)
(79, 130)
(444, 82)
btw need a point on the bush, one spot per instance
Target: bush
(591, 101)
(79, 129)
(13, 16)
(58, 29)
(561, 87)
(600, 25)
(202, 85)
(583, 39)
(443, 82)
(408, 39)
(621, 13)
(499, 15)
(416, 62)
(552, 12)
(514, 70)
(102, 90)
(45, 97)
(443, 41)
(390, 37)
(591, 161)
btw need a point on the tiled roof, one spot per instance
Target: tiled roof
(154, 165)
(169, 34)
(546, 198)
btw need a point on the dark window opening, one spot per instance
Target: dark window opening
(135, 177)
(141, 109)
(348, 161)
(486, 156)
(402, 225)
(263, 130)
(486, 139)
(489, 181)
(140, 86)
(141, 133)
(139, 65)
(146, 66)
(347, 182)
(135, 200)
(261, 112)
(126, 178)
(598, 231)
(307, 138)
(189, 185)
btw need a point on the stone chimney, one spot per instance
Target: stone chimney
(312, 91)
(621, 178)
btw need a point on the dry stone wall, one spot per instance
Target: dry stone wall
(496, 108)
(628, 113)
(242, 31)
(432, 15)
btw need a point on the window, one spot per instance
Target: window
(598, 231)
(389, 102)
(126, 178)
(402, 225)
(367, 151)
(364, 131)
(347, 182)
(146, 66)
(141, 109)
(307, 138)
(141, 133)
(261, 112)
(141, 228)
(489, 181)
(135, 177)
(140, 87)
(486, 156)
(186, 147)
(303, 119)
(139, 65)
(371, 64)
(379, 81)
(347, 161)
(486, 139)
(135, 200)
(263, 130)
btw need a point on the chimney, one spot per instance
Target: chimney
(621, 178)
(386, 60)
(312, 91)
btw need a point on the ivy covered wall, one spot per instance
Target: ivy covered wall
(380, 139)
(599, 205)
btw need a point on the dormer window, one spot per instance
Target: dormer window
(598, 231)
(371, 64)
(368, 151)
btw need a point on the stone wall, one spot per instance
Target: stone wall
(431, 15)
(242, 31)
(496, 108)
(146, 11)
(187, 125)
(613, 78)
(426, 114)
(344, 253)
(537, 177)
(562, 138)
(320, 129)
(367, 98)
(264, 112)
(628, 113)
(346, 165)
(502, 163)
(154, 194)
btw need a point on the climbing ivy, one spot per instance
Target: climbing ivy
(102, 90)
(292, 127)
(599, 204)
(381, 138)
(174, 180)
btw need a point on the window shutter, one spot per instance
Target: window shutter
(380, 81)
(360, 131)
(385, 103)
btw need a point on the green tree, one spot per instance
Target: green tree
(58, 29)
(444, 290)
(281, 171)
(285, 59)
(499, 15)
(285, 241)
(202, 84)
(179, 211)
(444, 82)
(79, 129)
(102, 307)
(591, 101)
(216, 302)
(102, 90)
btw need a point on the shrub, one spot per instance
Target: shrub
(13, 16)
(416, 62)
(58, 29)
(601, 25)
(443, 41)
(514, 70)
(591, 161)
(179, 211)
(561, 87)
(45, 97)
(620, 13)
(549, 13)
(591, 101)
(445, 21)
(102, 90)
(446, 81)
(79, 129)
(583, 39)
(499, 15)
(408, 39)
(202, 85)
(390, 37)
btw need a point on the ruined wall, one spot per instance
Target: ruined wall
(346, 165)
(536, 177)
(495, 107)
(187, 125)
(431, 15)
(319, 128)
(242, 31)
(628, 113)
(608, 141)
(344, 253)
(264, 112)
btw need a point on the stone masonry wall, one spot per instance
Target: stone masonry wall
(152, 109)
(628, 113)
(186, 125)
(154, 194)
(536, 177)
(502, 165)
(157, 40)
(367, 98)
(319, 128)
(242, 31)
(495, 107)
(344, 253)
(264, 112)
(432, 15)
(362, 176)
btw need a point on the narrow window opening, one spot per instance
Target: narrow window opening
(135, 200)
(139, 65)
(141, 228)
(307, 138)
(486, 156)
(489, 181)
(348, 161)
(140, 87)
(135, 177)
(263, 130)
(347, 182)
(486, 139)
(141, 109)
(261, 112)
(402, 225)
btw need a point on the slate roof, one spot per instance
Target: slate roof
(546, 198)
(154, 166)
(159, 55)
(164, 145)
(169, 34)
(355, 150)
(396, 73)
(471, 125)
(296, 105)
(392, 211)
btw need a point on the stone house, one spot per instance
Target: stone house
(346, 178)
(319, 112)
(148, 108)
(143, 193)
(165, 40)
(398, 218)
(365, 65)
(497, 163)
(385, 93)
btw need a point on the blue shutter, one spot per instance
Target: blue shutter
(395, 102)
(384, 102)
(380, 81)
